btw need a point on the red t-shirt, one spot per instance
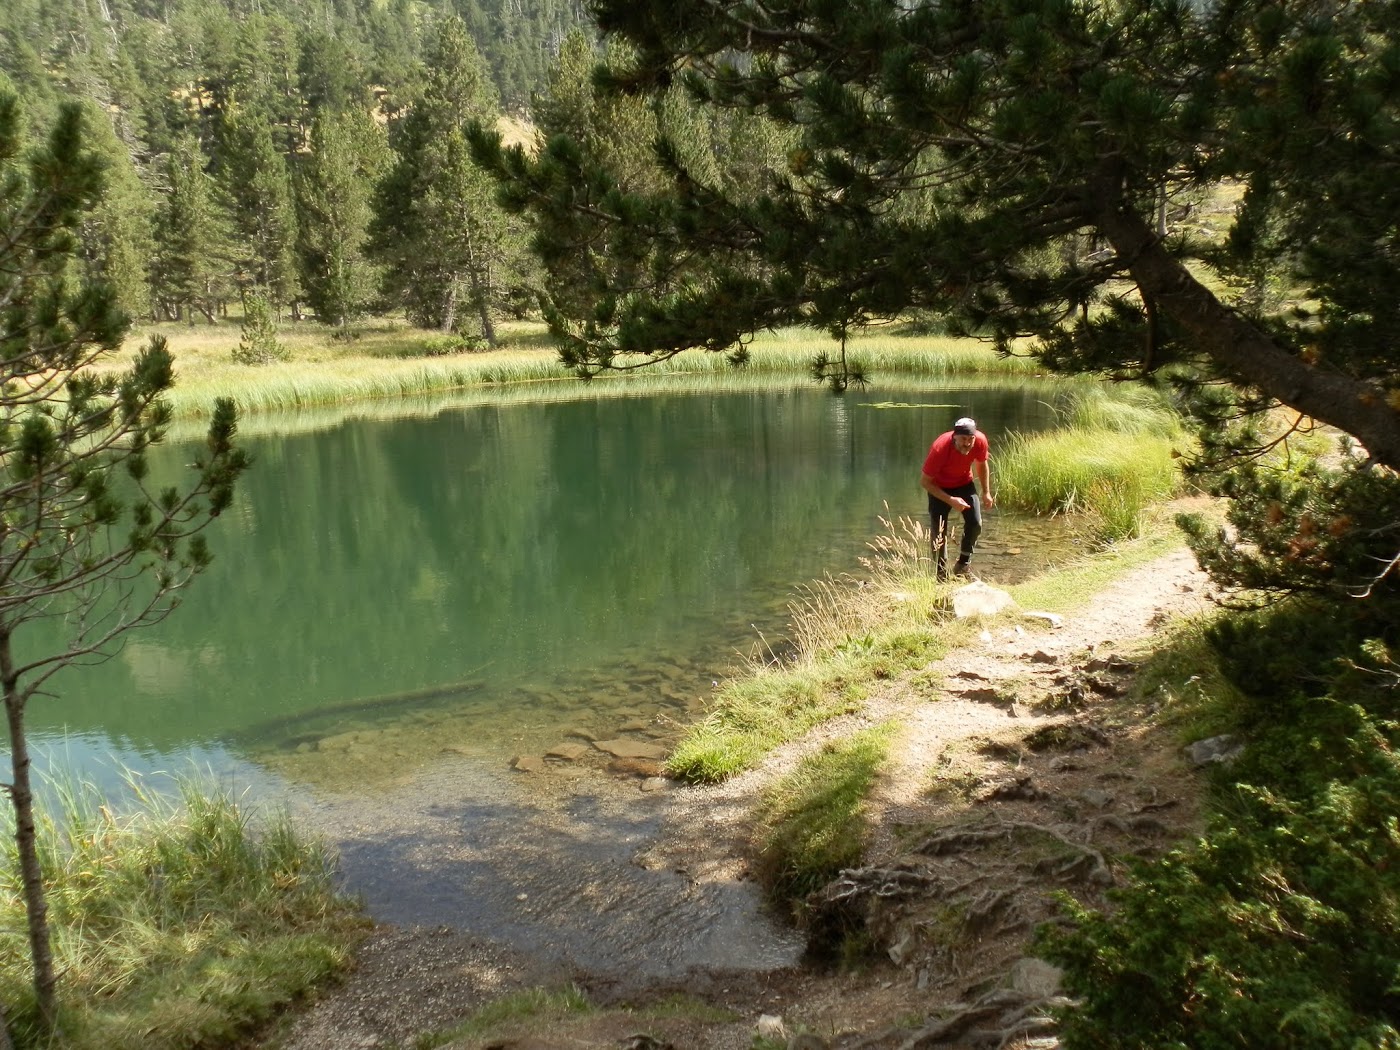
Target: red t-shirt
(948, 467)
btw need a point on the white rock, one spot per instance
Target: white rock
(980, 599)
(770, 1026)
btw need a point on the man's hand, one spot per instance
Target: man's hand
(958, 503)
(989, 501)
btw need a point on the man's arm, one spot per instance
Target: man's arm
(984, 477)
(931, 487)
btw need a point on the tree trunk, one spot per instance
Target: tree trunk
(483, 307)
(480, 277)
(449, 306)
(1247, 353)
(22, 795)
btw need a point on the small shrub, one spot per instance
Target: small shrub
(1281, 926)
(259, 344)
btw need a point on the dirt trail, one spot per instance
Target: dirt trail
(1017, 772)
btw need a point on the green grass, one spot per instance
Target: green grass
(181, 923)
(812, 821)
(1107, 475)
(1113, 455)
(1183, 678)
(533, 1006)
(563, 1017)
(756, 713)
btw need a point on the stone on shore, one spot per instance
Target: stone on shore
(980, 599)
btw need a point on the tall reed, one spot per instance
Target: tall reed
(1109, 475)
(177, 919)
(397, 361)
(1113, 455)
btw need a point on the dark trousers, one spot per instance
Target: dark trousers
(938, 512)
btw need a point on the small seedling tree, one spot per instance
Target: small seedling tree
(86, 539)
(259, 344)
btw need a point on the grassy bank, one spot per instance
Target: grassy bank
(177, 922)
(388, 361)
(811, 823)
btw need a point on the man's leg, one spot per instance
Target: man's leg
(938, 535)
(972, 528)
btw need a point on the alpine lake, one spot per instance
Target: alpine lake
(406, 598)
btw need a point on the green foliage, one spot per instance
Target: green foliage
(1279, 927)
(349, 152)
(812, 821)
(255, 179)
(1329, 530)
(259, 344)
(1019, 169)
(191, 269)
(179, 920)
(449, 253)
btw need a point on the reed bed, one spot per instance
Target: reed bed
(192, 423)
(392, 361)
(177, 921)
(1114, 455)
(1109, 475)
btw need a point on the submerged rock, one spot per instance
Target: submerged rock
(568, 752)
(631, 749)
(636, 767)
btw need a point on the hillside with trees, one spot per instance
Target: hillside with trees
(246, 143)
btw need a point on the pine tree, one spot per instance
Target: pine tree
(444, 242)
(258, 187)
(1023, 126)
(604, 147)
(191, 268)
(336, 182)
(258, 343)
(85, 540)
(118, 236)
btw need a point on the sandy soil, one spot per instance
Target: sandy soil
(1019, 771)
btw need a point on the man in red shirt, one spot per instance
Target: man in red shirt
(947, 478)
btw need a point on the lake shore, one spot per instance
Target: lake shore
(951, 766)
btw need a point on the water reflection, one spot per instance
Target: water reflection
(488, 579)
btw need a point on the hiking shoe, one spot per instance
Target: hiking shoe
(961, 569)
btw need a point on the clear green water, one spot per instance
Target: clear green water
(484, 579)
